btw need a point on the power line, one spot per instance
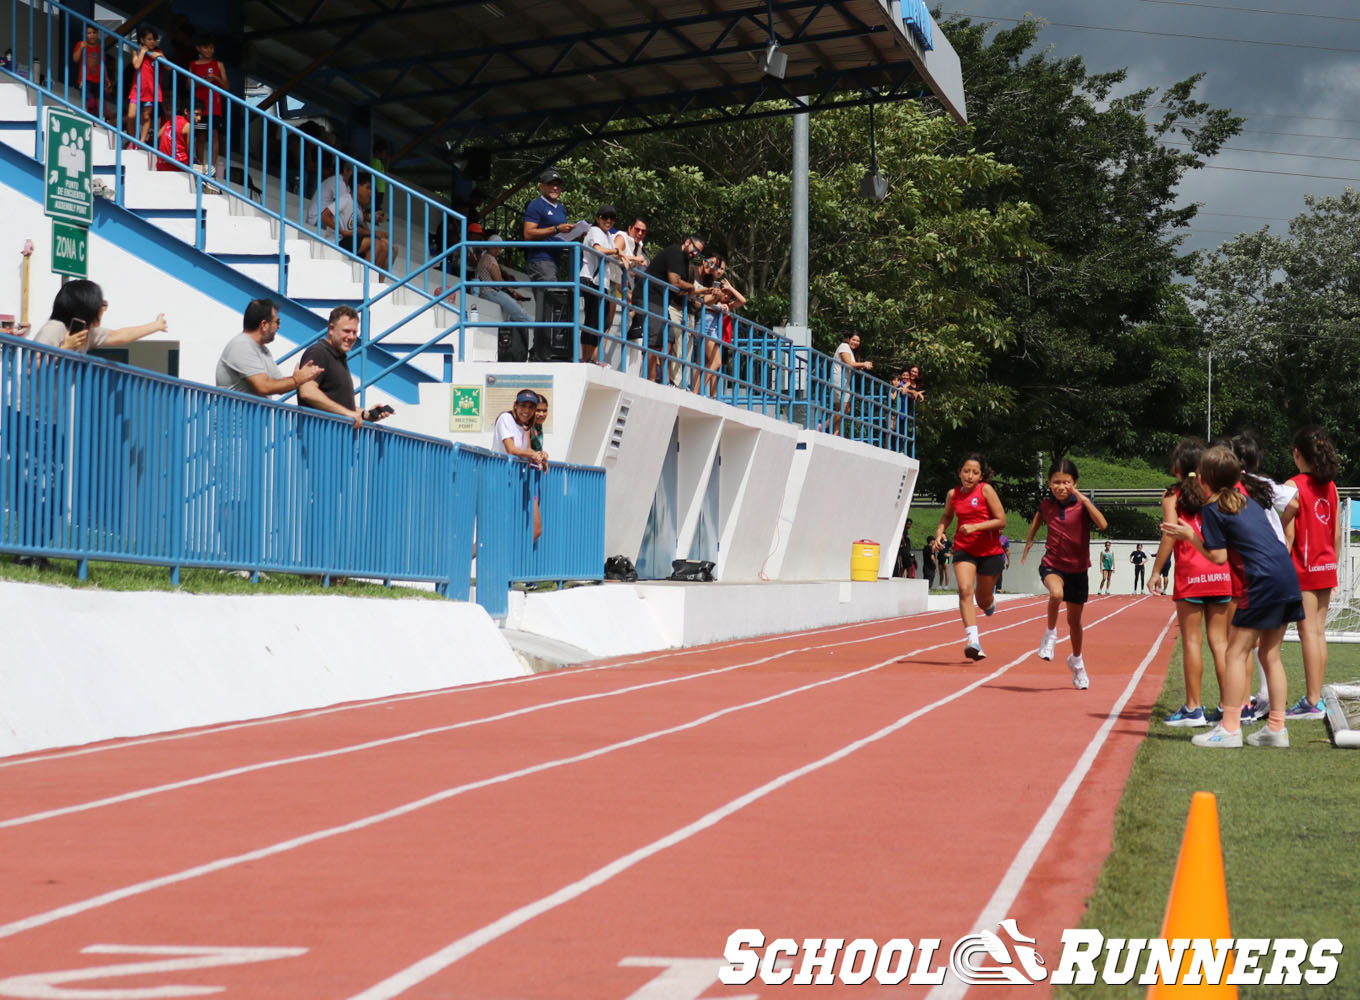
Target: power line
(1269, 152)
(1170, 34)
(1280, 173)
(1274, 114)
(1252, 10)
(1240, 215)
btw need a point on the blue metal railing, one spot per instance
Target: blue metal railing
(756, 370)
(102, 461)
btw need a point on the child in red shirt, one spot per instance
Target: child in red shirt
(1068, 515)
(89, 53)
(146, 86)
(1316, 516)
(978, 560)
(175, 139)
(211, 69)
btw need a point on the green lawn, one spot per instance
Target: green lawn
(132, 576)
(1289, 830)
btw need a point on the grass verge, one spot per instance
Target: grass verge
(1287, 820)
(133, 576)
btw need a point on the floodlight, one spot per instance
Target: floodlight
(873, 185)
(774, 62)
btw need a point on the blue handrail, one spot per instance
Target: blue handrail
(102, 461)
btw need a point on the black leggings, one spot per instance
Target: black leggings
(1138, 578)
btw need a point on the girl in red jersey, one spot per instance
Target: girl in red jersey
(978, 559)
(146, 85)
(213, 70)
(1315, 514)
(1202, 591)
(1068, 514)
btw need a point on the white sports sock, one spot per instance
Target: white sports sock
(971, 632)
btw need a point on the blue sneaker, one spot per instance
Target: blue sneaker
(1187, 717)
(1305, 709)
(1213, 716)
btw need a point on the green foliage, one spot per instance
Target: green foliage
(1124, 474)
(1131, 522)
(1282, 318)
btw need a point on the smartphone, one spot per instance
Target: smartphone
(77, 325)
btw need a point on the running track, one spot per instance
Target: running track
(571, 836)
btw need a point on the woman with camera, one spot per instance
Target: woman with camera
(76, 323)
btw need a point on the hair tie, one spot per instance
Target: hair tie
(1191, 475)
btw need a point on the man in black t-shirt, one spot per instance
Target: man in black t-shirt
(673, 266)
(333, 389)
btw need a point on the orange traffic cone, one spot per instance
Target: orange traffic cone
(1198, 906)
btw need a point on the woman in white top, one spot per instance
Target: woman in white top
(599, 243)
(846, 364)
(511, 437)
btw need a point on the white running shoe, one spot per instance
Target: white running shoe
(974, 651)
(1267, 737)
(1046, 645)
(1218, 737)
(1079, 679)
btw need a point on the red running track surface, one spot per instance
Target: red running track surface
(590, 834)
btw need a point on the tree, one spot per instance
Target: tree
(912, 274)
(1087, 366)
(1281, 315)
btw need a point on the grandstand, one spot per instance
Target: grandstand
(744, 475)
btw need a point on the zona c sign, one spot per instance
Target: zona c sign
(70, 250)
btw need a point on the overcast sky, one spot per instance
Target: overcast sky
(1298, 89)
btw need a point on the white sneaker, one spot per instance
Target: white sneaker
(1267, 737)
(1046, 645)
(974, 651)
(1079, 679)
(1218, 737)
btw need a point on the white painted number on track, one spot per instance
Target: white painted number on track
(682, 978)
(47, 985)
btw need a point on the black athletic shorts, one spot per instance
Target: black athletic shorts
(986, 565)
(1076, 586)
(1268, 616)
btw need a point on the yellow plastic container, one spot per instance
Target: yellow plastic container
(864, 560)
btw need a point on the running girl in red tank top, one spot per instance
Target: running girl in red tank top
(1202, 591)
(978, 558)
(1316, 517)
(1068, 515)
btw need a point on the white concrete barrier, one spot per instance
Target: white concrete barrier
(81, 666)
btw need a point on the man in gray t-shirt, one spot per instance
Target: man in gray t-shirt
(246, 364)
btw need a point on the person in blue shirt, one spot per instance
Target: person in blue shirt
(1233, 525)
(544, 218)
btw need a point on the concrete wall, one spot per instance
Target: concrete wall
(81, 666)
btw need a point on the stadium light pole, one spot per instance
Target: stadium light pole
(1209, 403)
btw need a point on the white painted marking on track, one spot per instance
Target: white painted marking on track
(47, 985)
(681, 978)
(441, 692)
(222, 864)
(440, 960)
(235, 772)
(999, 906)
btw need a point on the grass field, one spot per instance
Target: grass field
(131, 576)
(1289, 830)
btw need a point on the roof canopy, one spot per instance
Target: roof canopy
(502, 74)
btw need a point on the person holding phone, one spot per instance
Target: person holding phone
(77, 321)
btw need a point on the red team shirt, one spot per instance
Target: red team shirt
(1195, 575)
(1314, 549)
(210, 70)
(971, 508)
(1067, 548)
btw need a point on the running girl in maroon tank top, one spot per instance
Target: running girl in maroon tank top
(1316, 517)
(1201, 590)
(1068, 514)
(978, 559)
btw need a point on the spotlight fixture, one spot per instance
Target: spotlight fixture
(873, 185)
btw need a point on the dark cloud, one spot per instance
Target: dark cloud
(1285, 72)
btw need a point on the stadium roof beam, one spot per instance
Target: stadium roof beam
(511, 73)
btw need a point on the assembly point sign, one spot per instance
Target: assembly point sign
(68, 186)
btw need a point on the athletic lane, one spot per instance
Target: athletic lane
(415, 881)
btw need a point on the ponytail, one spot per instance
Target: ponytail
(1314, 448)
(1222, 471)
(1184, 462)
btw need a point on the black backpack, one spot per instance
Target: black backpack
(620, 568)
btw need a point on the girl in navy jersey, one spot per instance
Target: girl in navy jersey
(1068, 514)
(978, 560)
(1202, 591)
(1315, 514)
(1230, 521)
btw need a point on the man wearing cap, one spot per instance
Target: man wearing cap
(597, 311)
(509, 299)
(511, 437)
(544, 218)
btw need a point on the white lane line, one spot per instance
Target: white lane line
(440, 960)
(438, 692)
(235, 772)
(999, 906)
(221, 864)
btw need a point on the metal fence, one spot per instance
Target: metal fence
(102, 461)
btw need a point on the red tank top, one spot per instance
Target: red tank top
(971, 508)
(210, 70)
(1195, 575)
(1315, 533)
